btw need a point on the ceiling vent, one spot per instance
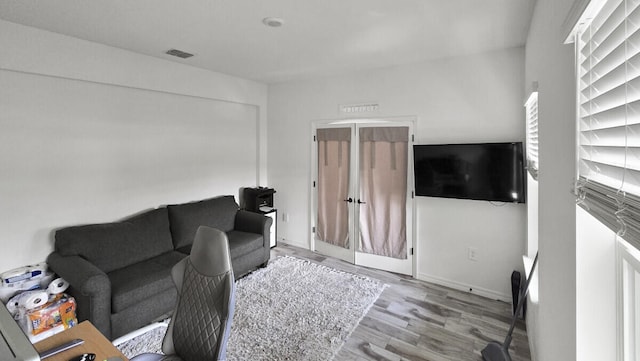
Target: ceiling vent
(179, 53)
(273, 22)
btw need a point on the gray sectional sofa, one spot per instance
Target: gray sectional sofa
(120, 273)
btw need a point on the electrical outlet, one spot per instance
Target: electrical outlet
(472, 253)
(285, 217)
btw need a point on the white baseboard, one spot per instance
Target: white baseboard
(293, 243)
(465, 287)
(138, 332)
(437, 280)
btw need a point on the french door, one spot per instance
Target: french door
(362, 194)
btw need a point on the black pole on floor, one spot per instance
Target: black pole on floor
(496, 351)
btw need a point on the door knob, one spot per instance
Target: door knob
(361, 202)
(349, 200)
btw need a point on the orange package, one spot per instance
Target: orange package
(60, 311)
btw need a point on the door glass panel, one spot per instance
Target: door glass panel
(383, 191)
(334, 146)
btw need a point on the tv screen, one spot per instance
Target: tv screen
(482, 171)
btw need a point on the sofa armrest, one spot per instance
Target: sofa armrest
(89, 286)
(256, 223)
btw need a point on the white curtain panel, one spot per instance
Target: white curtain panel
(383, 189)
(334, 146)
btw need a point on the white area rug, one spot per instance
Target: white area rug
(291, 310)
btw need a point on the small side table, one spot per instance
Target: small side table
(273, 238)
(94, 342)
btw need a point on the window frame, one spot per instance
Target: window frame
(531, 117)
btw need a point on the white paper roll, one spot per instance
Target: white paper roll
(58, 285)
(12, 307)
(33, 299)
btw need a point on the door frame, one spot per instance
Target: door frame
(349, 122)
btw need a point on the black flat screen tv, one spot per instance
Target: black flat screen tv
(480, 171)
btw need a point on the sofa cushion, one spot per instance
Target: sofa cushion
(158, 307)
(240, 243)
(136, 283)
(219, 212)
(111, 246)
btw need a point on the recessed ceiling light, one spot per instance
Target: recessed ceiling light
(273, 22)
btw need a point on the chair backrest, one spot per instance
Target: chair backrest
(201, 321)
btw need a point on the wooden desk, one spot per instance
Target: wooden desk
(94, 342)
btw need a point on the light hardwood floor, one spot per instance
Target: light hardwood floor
(416, 320)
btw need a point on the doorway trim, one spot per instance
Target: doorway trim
(391, 121)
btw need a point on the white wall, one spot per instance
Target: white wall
(532, 216)
(552, 324)
(91, 133)
(595, 289)
(467, 99)
(532, 248)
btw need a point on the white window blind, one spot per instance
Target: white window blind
(608, 65)
(531, 109)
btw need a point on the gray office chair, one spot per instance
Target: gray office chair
(201, 322)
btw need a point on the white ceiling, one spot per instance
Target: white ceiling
(318, 38)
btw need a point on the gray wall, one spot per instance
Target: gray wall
(475, 98)
(552, 322)
(91, 133)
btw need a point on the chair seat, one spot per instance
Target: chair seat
(201, 321)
